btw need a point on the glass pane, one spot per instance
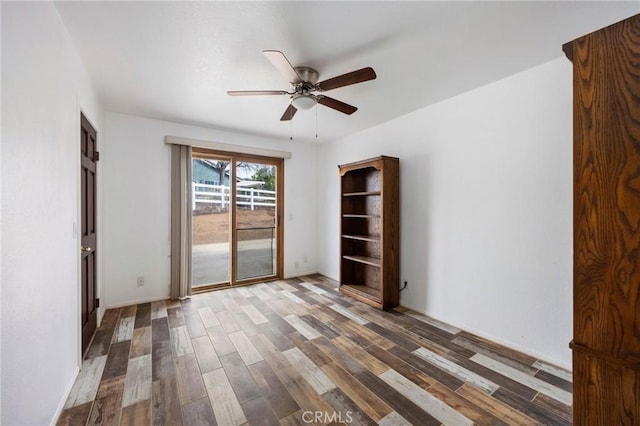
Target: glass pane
(255, 220)
(210, 222)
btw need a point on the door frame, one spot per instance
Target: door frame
(235, 157)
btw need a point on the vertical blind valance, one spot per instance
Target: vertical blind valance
(218, 146)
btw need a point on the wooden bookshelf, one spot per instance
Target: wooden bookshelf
(370, 243)
(606, 208)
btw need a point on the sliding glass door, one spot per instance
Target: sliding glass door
(211, 221)
(256, 220)
(236, 234)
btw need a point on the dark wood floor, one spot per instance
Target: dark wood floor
(297, 352)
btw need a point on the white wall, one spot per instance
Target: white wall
(44, 87)
(486, 208)
(0, 237)
(136, 203)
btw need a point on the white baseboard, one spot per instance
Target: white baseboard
(156, 299)
(56, 415)
(299, 274)
(136, 302)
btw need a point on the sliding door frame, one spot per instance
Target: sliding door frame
(235, 158)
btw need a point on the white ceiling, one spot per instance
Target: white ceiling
(175, 60)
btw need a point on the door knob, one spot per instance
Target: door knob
(86, 249)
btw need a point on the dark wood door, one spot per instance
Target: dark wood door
(606, 342)
(88, 157)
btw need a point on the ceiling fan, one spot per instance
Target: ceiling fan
(305, 88)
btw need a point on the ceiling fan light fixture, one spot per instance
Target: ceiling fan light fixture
(303, 101)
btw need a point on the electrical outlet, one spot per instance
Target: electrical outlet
(140, 281)
(305, 259)
(296, 265)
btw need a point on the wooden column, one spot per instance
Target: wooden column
(606, 342)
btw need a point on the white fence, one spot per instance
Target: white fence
(220, 195)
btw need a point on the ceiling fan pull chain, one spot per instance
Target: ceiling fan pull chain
(291, 130)
(316, 122)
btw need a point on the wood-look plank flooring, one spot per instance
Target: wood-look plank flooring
(298, 352)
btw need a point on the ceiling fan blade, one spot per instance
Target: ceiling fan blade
(364, 74)
(289, 113)
(283, 65)
(255, 92)
(337, 105)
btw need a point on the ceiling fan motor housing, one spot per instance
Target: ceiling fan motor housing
(308, 75)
